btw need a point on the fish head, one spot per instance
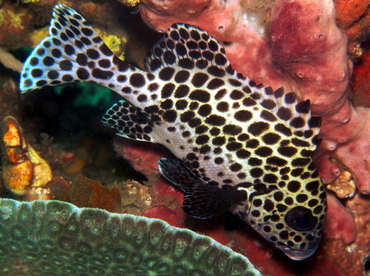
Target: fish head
(291, 221)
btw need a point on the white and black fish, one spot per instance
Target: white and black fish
(241, 147)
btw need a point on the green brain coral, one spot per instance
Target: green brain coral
(57, 238)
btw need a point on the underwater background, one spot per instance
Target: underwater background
(54, 147)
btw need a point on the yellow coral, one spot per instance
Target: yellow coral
(1, 17)
(114, 42)
(130, 3)
(22, 166)
(41, 169)
(39, 35)
(343, 186)
(16, 20)
(27, 1)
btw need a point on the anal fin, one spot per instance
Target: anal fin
(202, 200)
(129, 121)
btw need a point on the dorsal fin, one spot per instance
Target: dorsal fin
(295, 114)
(187, 47)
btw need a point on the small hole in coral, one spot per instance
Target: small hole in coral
(277, 66)
(321, 36)
(220, 28)
(227, 43)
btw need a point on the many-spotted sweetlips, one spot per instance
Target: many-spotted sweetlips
(240, 147)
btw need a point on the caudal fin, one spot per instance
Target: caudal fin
(72, 52)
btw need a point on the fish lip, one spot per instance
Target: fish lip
(298, 255)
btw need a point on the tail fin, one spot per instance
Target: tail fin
(72, 52)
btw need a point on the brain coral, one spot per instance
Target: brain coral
(57, 238)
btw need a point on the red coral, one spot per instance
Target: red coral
(349, 12)
(89, 193)
(141, 157)
(361, 81)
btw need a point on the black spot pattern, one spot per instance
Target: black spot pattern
(215, 83)
(166, 73)
(258, 128)
(223, 107)
(215, 120)
(243, 115)
(65, 65)
(182, 76)
(200, 95)
(199, 79)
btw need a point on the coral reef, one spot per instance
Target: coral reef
(308, 56)
(26, 24)
(141, 157)
(88, 193)
(23, 168)
(56, 238)
(353, 17)
(361, 81)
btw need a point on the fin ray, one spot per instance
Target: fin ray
(295, 114)
(72, 52)
(187, 47)
(129, 121)
(202, 200)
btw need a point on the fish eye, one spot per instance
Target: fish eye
(301, 219)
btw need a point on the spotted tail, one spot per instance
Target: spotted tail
(72, 52)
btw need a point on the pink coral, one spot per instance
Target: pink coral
(141, 157)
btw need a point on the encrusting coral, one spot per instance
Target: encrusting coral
(23, 168)
(57, 238)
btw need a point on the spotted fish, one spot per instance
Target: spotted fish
(240, 147)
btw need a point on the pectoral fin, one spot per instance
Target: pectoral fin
(202, 200)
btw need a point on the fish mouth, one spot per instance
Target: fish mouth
(298, 255)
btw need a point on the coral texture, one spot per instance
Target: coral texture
(57, 238)
(295, 44)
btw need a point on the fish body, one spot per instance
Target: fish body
(240, 147)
